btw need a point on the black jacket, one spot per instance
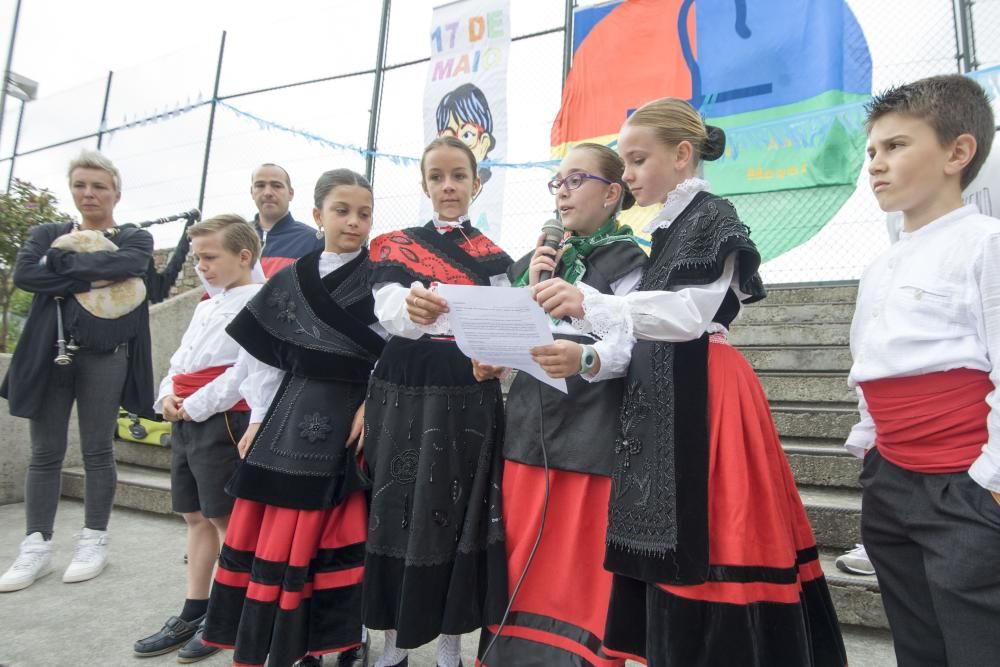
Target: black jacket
(66, 273)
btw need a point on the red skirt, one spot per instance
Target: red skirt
(560, 611)
(766, 601)
(288, 582)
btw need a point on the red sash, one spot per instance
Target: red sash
(931, 423)
(186, 384)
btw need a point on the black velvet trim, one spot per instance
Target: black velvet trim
(235, 560)
(746, 574)
(807, 555)
(667, 629)
(425, 363)
(342, 558)
(304, 362)
(574, 633)
(306, 492)
(317, 293)
(688, 563)
(268, 572)
(729, 309)
(415, 601)
(225, 607)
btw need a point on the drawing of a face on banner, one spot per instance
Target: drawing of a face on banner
(466, 94)
(464, 113)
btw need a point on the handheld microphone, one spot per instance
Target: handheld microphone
(554, 232)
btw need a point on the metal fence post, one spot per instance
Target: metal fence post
(17, 139)
(567, 39)
(965, 38)
(375, 112)
(104, 112)
(211, 121)
(6, 69)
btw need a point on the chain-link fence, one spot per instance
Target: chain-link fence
(305, 101)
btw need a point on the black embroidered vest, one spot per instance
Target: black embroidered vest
(658, 514)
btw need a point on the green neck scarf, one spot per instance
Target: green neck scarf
(578, 247)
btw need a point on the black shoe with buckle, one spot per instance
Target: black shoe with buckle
(196, 649)
(355, 657)
(175, 633)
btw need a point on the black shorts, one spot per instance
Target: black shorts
(203, 457)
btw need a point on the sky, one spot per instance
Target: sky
(164, 57)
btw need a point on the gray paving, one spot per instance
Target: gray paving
(94, 623)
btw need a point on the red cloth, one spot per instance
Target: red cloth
(755, 515)
(289, 582)
(186, 384)
(931, 423)
(566, 582)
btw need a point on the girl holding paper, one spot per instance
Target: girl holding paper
(435, 559)
(713, 557)
(559, 612)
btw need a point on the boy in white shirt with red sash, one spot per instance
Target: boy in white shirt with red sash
(925, 336)
(200, 394)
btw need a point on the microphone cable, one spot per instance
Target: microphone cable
(538, 538)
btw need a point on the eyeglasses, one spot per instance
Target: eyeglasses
(574, 181)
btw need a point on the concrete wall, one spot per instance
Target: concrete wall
(168, 320)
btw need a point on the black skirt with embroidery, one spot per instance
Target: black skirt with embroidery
(435, 559)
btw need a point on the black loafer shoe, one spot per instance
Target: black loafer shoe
(310, 661)
(195, 649)
(174, 633)
(355, 657)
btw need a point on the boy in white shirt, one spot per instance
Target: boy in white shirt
(200, 395)
(924, 338)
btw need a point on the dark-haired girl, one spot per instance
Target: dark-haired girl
(559, 613)
(713, 557)
(288, 585)
(435, 562)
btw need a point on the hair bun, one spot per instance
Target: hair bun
(715, 143)
(628, 199)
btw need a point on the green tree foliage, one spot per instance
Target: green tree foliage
(22, 207)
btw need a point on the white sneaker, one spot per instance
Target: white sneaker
(33, 562)
(89, 558)
(855, 561)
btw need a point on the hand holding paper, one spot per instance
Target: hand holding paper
(499, 326)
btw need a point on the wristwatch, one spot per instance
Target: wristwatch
(588, 358)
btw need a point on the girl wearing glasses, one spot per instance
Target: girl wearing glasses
(713, 557)
(560, 610)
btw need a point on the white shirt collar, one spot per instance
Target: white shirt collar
(939, 223)
(675, 203)
(446, 225)
(331, 261)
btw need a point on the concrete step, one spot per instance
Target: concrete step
(810, 358)
(816, 420)
(139, 488)
(822, 463)
(764, 312)
(836, 293)
(816, 387)
(781, 335)
(835, 515)
(868, 647)
(140, 454)
(856, 597)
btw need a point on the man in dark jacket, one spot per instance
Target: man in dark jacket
(284, 238)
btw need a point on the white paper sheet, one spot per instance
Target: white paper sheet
(499, 326)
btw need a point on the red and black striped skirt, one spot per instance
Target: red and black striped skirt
(289, 582)
(765, 600)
